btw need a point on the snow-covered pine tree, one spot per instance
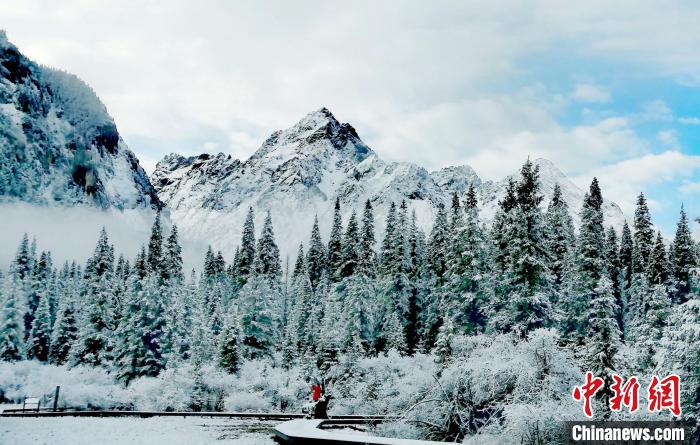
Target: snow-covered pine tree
(393, 333)
(559, 239)
(23, 262)
(683, 258)
(257, 317)
(651, 325)
(94, 343)
(614, 269)
(643, 236)
(172, 258)
(368, 257)
(467, 306)
(658, 262)
(40, 336)
(229, 346)
(330, 337)
(267, 262)
(11, 320)
(438, 245)
(65, 329)
(443, 344)
(527, 294)
(350, 252)
(388, 260)
(155, 247)
(603, 334)
(316, 257)
(590, 261)
(455, 225)
(335, 244)
(625, 256)
(247, 252)
(681, 349)
(300, 263)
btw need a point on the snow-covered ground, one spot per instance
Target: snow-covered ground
(132, 431)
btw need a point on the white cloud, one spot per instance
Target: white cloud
(689, 187)
(622, 181)
(430, 82)
(668, 137)
(590, 93)
(689, 120)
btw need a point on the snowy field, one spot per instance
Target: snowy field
(131, 431)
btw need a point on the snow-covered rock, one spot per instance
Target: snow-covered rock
(299, 172)
(58, 144)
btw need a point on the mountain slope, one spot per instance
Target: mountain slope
(58, 144)
(299, 172)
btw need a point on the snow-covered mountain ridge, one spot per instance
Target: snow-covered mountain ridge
(299, 172)
(58, 144)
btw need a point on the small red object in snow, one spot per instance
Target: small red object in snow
(315, 392)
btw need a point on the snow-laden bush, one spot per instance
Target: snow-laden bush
(276, 388)
(81, 387)
(379, 385)
(496, 389)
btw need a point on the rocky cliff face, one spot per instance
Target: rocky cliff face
(58, 144)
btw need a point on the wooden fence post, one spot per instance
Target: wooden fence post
(55, 399)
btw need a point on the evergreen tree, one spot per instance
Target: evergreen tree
(40, 337)
(591, 263)
(350, 251)
(443, 344)
(393, 333)
(467, 306)
(257, 318)
(559, 239)
(229, 354)
(683, 258)
(11, 324)
(368, 260)
(299, 265)
(603, 340)
(94, 343)
(155, 247)
(681, 339)
(173, 257)
(625, 256)
(316, 256)
(268, 254)
(335, 243)
(388, 257)
(438, 245)
(247, 251)
(614, 269)
(651, 325)
(65, 330)
(658, 262)
(23, 263)
(526, 304)
(643, 236)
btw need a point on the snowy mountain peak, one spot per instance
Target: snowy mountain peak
(300, 171)
(3, 39)
(318, 134)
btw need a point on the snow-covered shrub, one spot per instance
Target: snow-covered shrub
(379, 385)
(276, 388)
(81, 387)
(500, 390)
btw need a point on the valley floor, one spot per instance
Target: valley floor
(130, 431)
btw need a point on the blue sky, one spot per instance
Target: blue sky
(606, 89)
